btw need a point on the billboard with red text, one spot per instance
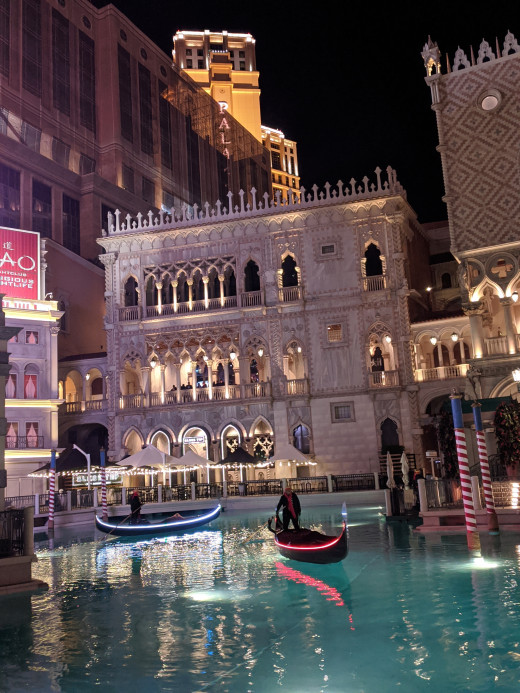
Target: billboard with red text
(20, 263)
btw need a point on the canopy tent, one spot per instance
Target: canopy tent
(286, 451)
(239, 456)
(148, 456)
(70, 460)
(191, 459)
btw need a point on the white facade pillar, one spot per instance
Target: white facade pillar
(508, 320)
(53, 357)
(194, 380)
(221, 283)
(474, 312)
(177, 377)
(225, 363)
(209, 364)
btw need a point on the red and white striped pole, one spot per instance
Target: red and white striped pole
(484, 468)
(465, 480)
(52, 484)
(103, 484)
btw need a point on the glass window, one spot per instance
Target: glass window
(342, 411)
(145, 109)
(5, 10)
(30, 387)
(87, 82)
(334, 333)
(148, 190)
(32, 47)
(60, 63)
(189, 63)
(70, 218)
(128, 178)
(9, 197)
(31, 136)
(11, 439)
(42, 209)
(86, 165)
(31, 433)
(60, 152)
(125, 94)
(165, 127)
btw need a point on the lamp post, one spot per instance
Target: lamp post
(88, 463)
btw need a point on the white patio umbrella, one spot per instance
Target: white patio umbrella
(149, 456)
(286, 451)
(191, 459)
(405, 468)
(390, 482)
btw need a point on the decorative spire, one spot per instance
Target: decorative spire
(431, 56)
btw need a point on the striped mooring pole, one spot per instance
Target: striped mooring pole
(103, 484)
(465, 480)
(52, 484)
(484, 467)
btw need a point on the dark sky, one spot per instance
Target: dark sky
(343, 79)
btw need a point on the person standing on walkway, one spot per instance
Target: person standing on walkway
(290, 503)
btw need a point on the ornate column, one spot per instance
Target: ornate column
(194, 380)
(145, 379)
(225, 363)
(177, 378)
(221, 286)
(175, 284)
(439, 354)
(245, 373)
(190, 293)
(205, 281)
(474, 312)
(209, 364)
(159, 286)
(508, 320)
(163, 381)
(53, 370)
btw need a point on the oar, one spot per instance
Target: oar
(119, 523)
(254, 534)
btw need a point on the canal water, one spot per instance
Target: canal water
(205, 611)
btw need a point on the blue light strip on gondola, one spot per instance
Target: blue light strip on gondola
(162, 525)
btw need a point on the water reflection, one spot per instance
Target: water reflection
(206, 612)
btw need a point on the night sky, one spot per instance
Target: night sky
(347, 84)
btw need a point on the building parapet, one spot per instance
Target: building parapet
(190, 216)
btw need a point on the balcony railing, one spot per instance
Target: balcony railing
(72, 407)
(288, 294)
(251, 298)
(23, 442)
(496, 345)
(383, 379)
(217, 394)
(297, 387)
(252, 390)
(95, 405)
(376, 283)
(129, 313)
(441, 373)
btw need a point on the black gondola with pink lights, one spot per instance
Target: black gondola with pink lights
(309, 546)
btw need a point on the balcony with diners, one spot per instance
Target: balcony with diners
(83, 389)
(189, 288)
(442, 352)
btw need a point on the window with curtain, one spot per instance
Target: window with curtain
(30, 384)
(10, 386)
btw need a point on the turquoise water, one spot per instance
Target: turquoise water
(203, 612)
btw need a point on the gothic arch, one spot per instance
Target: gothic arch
(161, 428)
(260, 419)
(128, 433)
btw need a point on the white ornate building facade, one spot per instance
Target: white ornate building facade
(266, 325)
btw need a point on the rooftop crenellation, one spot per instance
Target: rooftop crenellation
(431, 55)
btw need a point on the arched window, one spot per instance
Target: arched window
(10, 385)
(301, 439)
(230, 283)
(446, 280)
(253, 371)
(251, 277)
(389, 436)
(289, 273)
(445, 356)
(377, 361)
(131, 297)
(373, 265)
(183, 293)
(213, 284)
(30, 384)
(151, 292)
(197, 291)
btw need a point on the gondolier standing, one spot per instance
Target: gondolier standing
(135, 507)
(290, 503)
